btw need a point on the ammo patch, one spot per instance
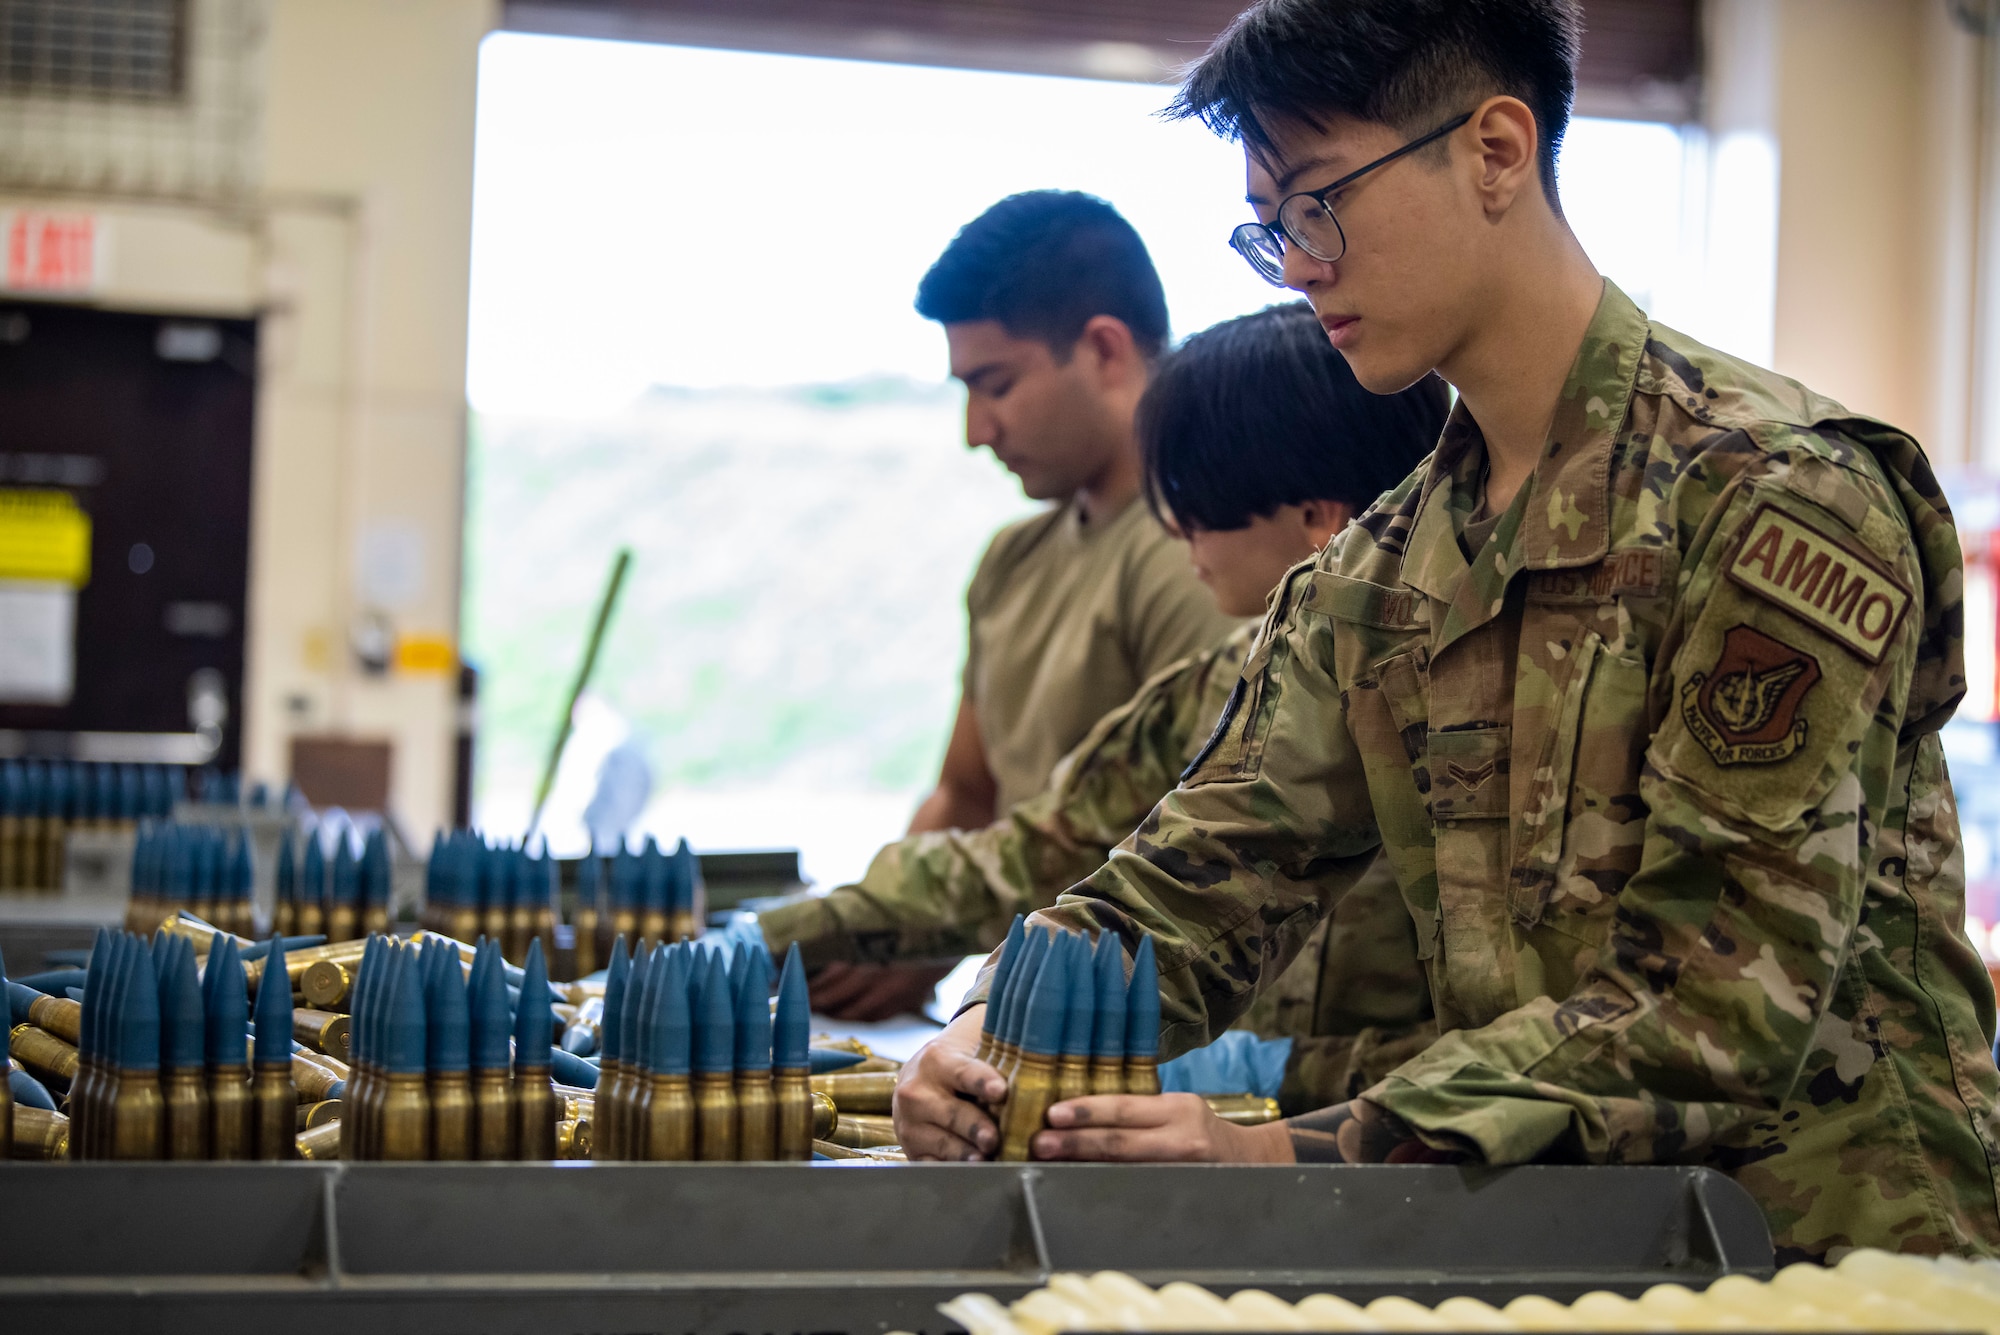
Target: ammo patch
(1821, 581)
(1745, 709)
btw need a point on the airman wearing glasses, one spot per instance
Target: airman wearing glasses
(1636, 683)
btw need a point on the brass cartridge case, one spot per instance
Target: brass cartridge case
(492, 1115)
(285, 918)
(493, 925)
(864, 1132)
(872, 1092)
(792, 1089)
(1142, 1075)
(542, 927)
(327, 983)
(463, 924)
(833, 1151)
(49, 1059)
(682, 925)
(868, 1064)
(274, 1112)
(343, 922)
(576, 1102)
(309, 918)
(229, 1134)
(350, 1120)
(59, 1016)
(714, 1116)
(1107, 1075)
(756, 1117)
(298, 961)
(625, 923)
(39, 1134)
(536, 1113)
(451, 1115)
(375, 920)
(1243, 1109)
(184, 1090)
(610, 1104)
(824, 1116)
(586, 939)
(138, 1115)
(55, 833)
(314, 1081)
(322, 1031)
(1029, 1095)
(1072, 1077)
(165, 917)
(638, 1114)
(573, 1138)
(311, 1115)
(320, 1143)
(406, 1119)
(669, 1131)
(653, 929)
(10, 853)
(30, 867)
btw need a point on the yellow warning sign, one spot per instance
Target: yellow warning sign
(44, 537)
(425, 653)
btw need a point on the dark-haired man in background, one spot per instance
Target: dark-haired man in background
(1054, 316)
(1637, 685)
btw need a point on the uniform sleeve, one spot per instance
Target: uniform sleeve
(1775, 757)
(1232, 870)
(953, 892)
(1169, 613)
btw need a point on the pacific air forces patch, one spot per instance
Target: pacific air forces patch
(1745, 709)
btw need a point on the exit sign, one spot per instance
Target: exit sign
(51, 252)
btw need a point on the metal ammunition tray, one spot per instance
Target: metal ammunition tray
(572, 1247)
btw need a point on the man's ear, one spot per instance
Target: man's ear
(1113, 354)
(1507, 153)
(1322, 519)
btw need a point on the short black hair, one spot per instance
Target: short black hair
(1261, 411)
(1410, 64)
(1043, 263)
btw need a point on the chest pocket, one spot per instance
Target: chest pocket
(1582, 826)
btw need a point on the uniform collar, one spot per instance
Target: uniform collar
(1565, 514)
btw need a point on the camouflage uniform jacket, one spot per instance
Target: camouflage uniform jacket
(1659, 775)
(1355, 1002)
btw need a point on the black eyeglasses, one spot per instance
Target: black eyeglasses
(1307, 221)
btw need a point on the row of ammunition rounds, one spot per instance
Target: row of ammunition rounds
(433, 1074)
(201, 869)
(505, 894)
(165, 1069)
(648, 897)
(343, 898)
(41, 801)
(1062, 1023)
(695, 1063)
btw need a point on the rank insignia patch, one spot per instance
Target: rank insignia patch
(1745, 709)
(1821, 581)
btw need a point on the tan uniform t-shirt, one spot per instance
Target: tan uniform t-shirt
(1067, 621)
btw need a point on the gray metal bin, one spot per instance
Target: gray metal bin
(778, 1249)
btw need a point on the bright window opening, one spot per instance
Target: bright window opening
(692, 335)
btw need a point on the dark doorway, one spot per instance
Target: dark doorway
(146, 422)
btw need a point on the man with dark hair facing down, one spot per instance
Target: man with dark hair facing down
(1637, 684)
(1054, 316)
(1257, 446)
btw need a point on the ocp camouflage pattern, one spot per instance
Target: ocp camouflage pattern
(1663, 794)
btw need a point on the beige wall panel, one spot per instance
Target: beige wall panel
(167, 258)
(1848, 321)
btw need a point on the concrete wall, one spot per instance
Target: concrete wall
(1875, 109)
(367, 227)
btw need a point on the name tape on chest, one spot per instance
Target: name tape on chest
(1821, 581)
